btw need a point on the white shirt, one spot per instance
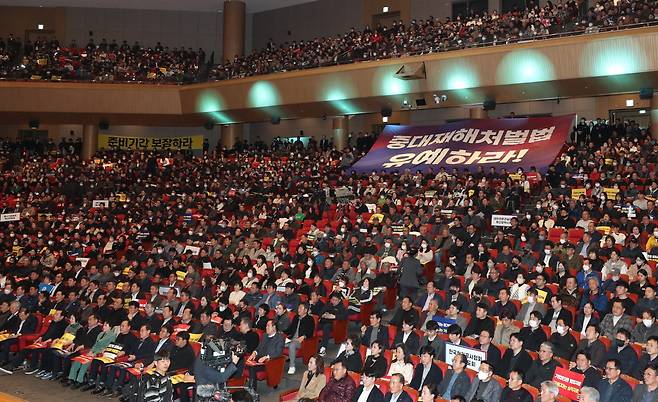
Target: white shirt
(365, 394)
(585, 322)
(615, 320)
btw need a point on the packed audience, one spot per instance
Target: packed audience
(114, 62)
(111, 62)
(366, 280)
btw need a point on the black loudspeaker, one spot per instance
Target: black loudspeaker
(275, 119)
(387, 111)
(646, 93)
(421, 102)
(489, 104)
(208, 125)
(34, 124)
(103, 125)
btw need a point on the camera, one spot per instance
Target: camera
(217, 353)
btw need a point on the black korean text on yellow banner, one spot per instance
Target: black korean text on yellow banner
(150, 143)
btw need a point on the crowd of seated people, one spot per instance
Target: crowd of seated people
(436, 35)
(226, 245)
(112, 62)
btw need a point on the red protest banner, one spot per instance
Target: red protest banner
(568, 382)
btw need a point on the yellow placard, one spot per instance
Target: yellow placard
(150, 143)
(515, 176)
(577, 192)
(180, 275)
(175, 379)
(195, 337)
(541, 296)
(610, 192)
(64, 341)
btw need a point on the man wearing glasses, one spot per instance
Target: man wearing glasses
(612, 388)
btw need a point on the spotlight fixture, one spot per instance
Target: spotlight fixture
(439, 98)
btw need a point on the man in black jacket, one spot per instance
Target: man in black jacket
(60, 362)
(143, 353)
(55, 330)
(335, 310)
(426, 372)
(26, 324)
(369, 388)
(543, 369)
(301, 328)
(182, 354)
(515, 358)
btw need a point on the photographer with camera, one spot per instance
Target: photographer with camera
(207, 376)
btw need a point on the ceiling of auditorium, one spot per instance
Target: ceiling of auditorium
(253, 6)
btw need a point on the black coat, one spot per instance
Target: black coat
(435, 376)
(306, 327)
(375, 395)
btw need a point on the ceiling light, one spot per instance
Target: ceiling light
(384, 119)
(385, 9)
(630, 103)
(643, 111)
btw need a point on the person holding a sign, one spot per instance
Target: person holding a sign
(483, 388)
(40, 346)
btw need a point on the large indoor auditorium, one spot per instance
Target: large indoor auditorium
(328, 200)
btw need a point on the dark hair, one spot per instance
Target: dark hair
(454, 329)
(585, 353)
(241, 396)
(432, 388)
(519, 373)
(319, 364)
(407, 356)
(399, 376)
(616, 362)
(625, 332)
(427, 349)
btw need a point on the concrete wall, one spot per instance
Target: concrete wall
(306, 21)
(171, 28)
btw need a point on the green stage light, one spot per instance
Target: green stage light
(612, 57)
(263, 94)
(524, 66)
(337, 98)
(457, 74)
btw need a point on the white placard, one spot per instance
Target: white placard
(83, 261)
(502, 220)
(15, 216)
(194, 249)
(473, 356)
(372, 208)
(100, 203)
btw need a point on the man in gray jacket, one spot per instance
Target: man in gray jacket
(270, 347)
(483, 387)
(456, 381)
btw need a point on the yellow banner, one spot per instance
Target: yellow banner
(150, 143)
(577, 192)
(611, 193)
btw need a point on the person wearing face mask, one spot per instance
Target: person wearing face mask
(547, 258)
(483, 388)
(564, 342)
(645, 328)
(622, 351)
(533, 334)
(519, 290)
